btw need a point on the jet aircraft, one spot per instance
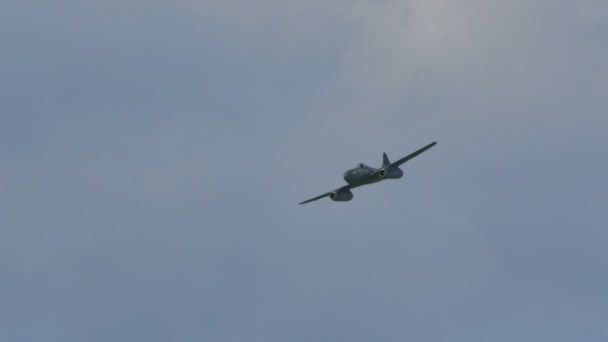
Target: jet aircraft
(363, 175)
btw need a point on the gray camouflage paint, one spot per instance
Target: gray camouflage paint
(363, 175)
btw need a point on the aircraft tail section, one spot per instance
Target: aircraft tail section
(385, 161)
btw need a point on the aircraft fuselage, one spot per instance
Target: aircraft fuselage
(363, 175)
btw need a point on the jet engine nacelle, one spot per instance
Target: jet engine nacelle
(395, 173)
(341, 195)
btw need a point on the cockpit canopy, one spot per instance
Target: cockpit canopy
(361, 165)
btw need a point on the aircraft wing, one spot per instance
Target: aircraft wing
(346, 187)
(403, 160)
(408, 157)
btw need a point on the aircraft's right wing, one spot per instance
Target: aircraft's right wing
(408, 157)
(346, 187)
(376, 174)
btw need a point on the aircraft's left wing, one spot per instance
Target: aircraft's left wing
(346, 187)
(316, 198)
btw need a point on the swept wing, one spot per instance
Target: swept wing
(346, 187)
(402, 160)
(410, 156)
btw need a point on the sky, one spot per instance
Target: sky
(153, 155)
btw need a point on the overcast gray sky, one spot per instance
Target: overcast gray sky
(152, 155)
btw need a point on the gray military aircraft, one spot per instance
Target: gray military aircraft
(363, 175)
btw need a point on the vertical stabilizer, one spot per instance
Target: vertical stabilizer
(385, 161)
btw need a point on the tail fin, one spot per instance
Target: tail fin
(385, 161)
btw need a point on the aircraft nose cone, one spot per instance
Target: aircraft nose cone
(349, 176)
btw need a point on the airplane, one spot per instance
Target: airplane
(363, 175)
